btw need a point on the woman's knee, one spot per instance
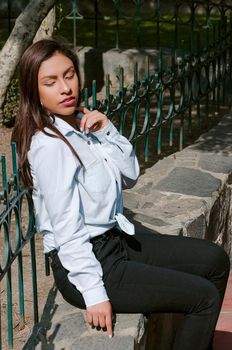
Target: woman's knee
(220, 259)
(209, 299)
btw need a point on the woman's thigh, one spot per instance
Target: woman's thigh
(135, 287)
(186, 254)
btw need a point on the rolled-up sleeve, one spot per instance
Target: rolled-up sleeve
(54, 168)
(121, 152)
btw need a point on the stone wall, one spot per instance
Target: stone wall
(189, 192)
(96, 63)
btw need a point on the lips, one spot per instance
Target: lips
(70, 101)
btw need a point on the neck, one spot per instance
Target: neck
(70, 119)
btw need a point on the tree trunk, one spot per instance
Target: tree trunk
(47, 26)
(21, 37)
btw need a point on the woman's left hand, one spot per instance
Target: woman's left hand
(92, 120)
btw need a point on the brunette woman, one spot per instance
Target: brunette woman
(77, 166)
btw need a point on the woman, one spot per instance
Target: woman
(78, 168)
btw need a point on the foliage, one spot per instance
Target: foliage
(59, 17)
(10, 106)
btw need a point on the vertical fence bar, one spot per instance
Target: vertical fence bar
(34, 279)
(9, 16)
(117, 26)
(74, 12)
(7, 249)
(122, 114)
(138, 21)
(107, 87)
(218, 70)
(8, 275)
(171, 129)
(96, 22)
(181, 140)
(86, 98)
(20, 258)
(9, 308)
(158, 23)
(176, 27)
(21, 287)
(94, 95)
(147, 137)
(215, 82)
(224, 61)
(159, 140)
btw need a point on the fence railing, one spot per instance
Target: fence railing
(180, 97)
(139, 23)
(16, 230)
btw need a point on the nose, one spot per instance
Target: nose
(64, 87)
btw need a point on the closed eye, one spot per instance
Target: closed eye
(49, 84)
(70, 76)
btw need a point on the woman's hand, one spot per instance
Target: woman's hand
(100, 315)
(92, 120)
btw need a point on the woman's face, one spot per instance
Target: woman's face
(58, 85)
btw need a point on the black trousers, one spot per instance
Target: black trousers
(154, 273)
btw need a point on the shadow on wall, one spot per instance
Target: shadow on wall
(93, 69)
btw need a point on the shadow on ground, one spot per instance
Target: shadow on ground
(39, 332)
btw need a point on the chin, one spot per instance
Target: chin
(67, 112)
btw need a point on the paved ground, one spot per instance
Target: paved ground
(223, 336)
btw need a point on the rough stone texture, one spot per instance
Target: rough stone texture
(190, 190)
(65, 328)
(110, 61)
(188, 193)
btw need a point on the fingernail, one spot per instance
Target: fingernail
(81, 129)
(110, 336)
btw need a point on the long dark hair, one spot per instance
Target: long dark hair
(31, 116)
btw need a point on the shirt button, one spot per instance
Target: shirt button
(88, 142)
(105, 159)
(108, 133)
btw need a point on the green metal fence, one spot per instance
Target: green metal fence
(16, 202)
(139, 23)
(180, 97)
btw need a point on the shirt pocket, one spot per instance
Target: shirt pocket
(96, 178)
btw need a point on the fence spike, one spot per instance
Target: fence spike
(107, 87)
(121, 78)
(86, 98)
(94, 94)
(136, 72)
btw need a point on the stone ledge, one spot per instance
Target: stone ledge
(187, 193)
(64, 327)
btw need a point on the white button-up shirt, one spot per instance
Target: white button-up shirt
(74, 203)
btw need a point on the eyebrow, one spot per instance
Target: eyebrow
(54, 76)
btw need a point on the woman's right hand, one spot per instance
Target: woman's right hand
(100, 315)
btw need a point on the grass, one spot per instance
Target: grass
(131, 33)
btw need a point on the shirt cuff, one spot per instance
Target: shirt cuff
(95, 296)
(107, 133)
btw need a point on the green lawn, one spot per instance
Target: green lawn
(130, 34)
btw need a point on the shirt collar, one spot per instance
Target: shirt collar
(64, 127)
